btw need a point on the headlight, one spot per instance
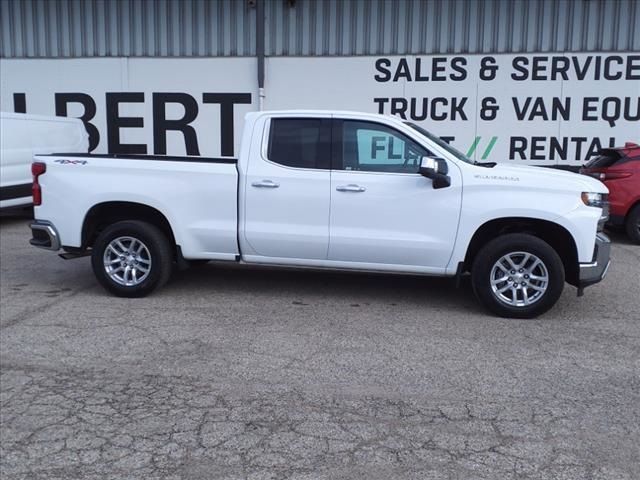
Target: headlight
(592, 199)
(598, 200)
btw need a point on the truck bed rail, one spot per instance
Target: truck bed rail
(166, 158)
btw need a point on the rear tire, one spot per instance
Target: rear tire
(518, 276)
(131, 258)
(633, 224)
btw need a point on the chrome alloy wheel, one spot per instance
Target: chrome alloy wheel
(127, 261)
(519, 279)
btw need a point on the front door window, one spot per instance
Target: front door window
(372, 147)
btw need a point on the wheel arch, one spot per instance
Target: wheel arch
(633, 206)
(631, 229)
(104, 214)
(558, 237)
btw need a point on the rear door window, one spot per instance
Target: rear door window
(604, 160)
(610, 157)
(300, 142)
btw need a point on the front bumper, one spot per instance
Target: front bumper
(596, 270)
(616, 221)
(44, 235)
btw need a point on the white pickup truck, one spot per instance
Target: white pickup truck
(329, 190)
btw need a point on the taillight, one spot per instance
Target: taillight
(597, 176)
(614, 175)
(37, 169)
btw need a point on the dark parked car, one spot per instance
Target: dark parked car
(619, 169)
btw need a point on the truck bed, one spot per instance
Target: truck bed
(197, 195)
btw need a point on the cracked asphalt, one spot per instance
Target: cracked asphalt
(231, 373)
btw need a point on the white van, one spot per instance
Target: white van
(21, 137)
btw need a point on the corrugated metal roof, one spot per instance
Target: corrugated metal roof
(387, 27)
(186, 28)
(126, 28)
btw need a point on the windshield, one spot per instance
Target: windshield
(456, 153)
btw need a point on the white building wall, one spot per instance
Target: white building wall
(542, 82)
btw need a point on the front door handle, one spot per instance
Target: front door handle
(350, 188)
(265, 184)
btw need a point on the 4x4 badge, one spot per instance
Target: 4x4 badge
(71, 162)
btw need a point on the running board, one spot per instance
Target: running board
(72, 255)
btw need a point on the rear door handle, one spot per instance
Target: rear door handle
(265, 184)
(350, 188)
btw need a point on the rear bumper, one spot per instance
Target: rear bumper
(44, 235)
(596, 270)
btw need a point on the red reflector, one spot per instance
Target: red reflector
(37, 169)
(36, 192)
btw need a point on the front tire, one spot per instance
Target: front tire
(131, 258)
(518, 276)
(633, 224)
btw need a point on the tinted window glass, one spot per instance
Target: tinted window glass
(603, 161)
(373, 147)
(300, 142)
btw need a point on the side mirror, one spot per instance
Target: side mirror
(436, 169)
